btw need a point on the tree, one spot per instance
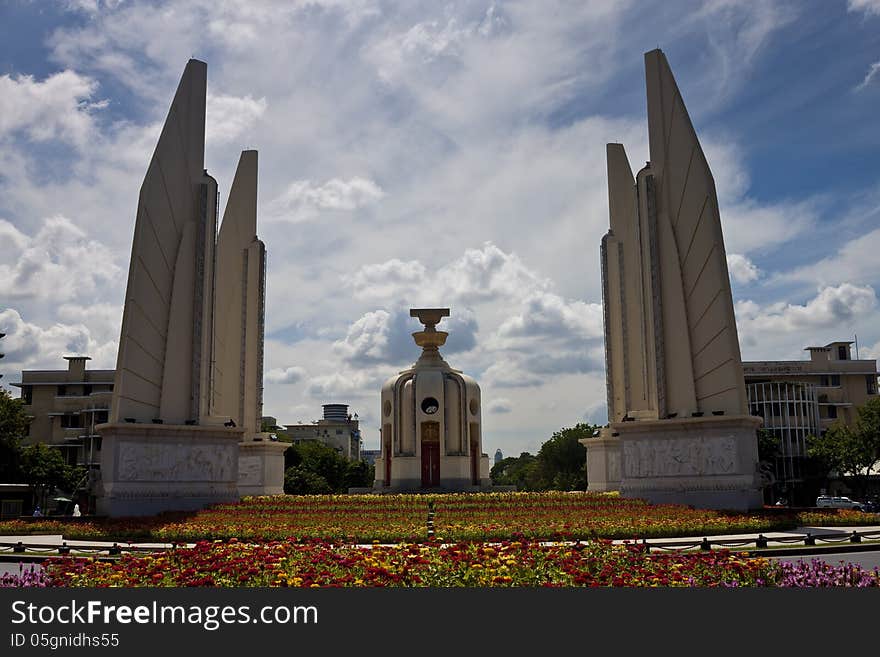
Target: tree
(359, 474)
(312, 467)
(851, 451)
(521, 471)
(44, 468)
(561, 464)
(299, 480)
(562, 460)
(13, 427)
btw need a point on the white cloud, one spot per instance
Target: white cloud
(286, 375)
(57, 108)
(388, 280)
(57, 263)
(483, 274)
(500, 405)
(868, 6)
(742, 270)
(832, 306)
(303, 200)
(856, 260)
(549, 315)
(873, 72)
(344, 385)
(383, 336)
(29, 346)
(92, 6)
(227, 117)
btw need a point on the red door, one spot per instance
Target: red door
(430, 454)
(388, 463)
(475, 464)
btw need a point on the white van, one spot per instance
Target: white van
(829, 502)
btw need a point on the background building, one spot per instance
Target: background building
(841, 383)
(337, 430)
(65, 406)
(797, 399)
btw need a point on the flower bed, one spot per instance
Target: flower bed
(403, 518)
(509, 563)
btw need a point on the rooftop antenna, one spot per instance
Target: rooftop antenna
(857, 346)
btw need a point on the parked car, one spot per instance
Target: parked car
(838, 502)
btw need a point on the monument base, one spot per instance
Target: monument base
(150, 468)
(261, 466)
(455, 475)
(603, 462)
(704, 462)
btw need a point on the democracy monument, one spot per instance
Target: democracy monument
(679, 429)
(431, 435)
(183, 430)
(184, 427)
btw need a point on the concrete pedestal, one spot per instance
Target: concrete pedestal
(150, 468)
(603, 462)
(705, 462)
(261, 466)
(455, 475)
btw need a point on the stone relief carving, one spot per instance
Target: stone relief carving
(249, 471)
(676, 457)
(171, 462)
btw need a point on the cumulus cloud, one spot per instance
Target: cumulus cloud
(286, 375)
(856, 260)
(549, 315)
(29, 346)
(59, 262)
(509, 374)
(742, 270)
(92, 6)
(832, 306)
(227, 117)
(388, 280)
(304, 200)
(57, 108)
(383, 336)
(500, 405)
(480, 274)
(345, 385)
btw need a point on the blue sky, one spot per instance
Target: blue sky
(422, 153)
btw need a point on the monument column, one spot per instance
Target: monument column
(678, 425)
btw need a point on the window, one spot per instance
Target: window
(70, 422)
(62, 391)
(832, 412)
(871, 384)
(87, 390)
(841, 353)
(339, 432)
(27, 394)
(823, 381)
(835, 380)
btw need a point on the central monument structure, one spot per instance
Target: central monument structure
(431, 422)
(188, 390)
(679, 429)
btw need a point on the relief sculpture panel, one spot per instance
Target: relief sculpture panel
(675, 457)
(173, 462)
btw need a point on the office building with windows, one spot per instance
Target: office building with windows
(337, 429)
(65, 406)
(797, 399)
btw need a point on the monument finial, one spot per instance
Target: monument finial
(430, 339)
